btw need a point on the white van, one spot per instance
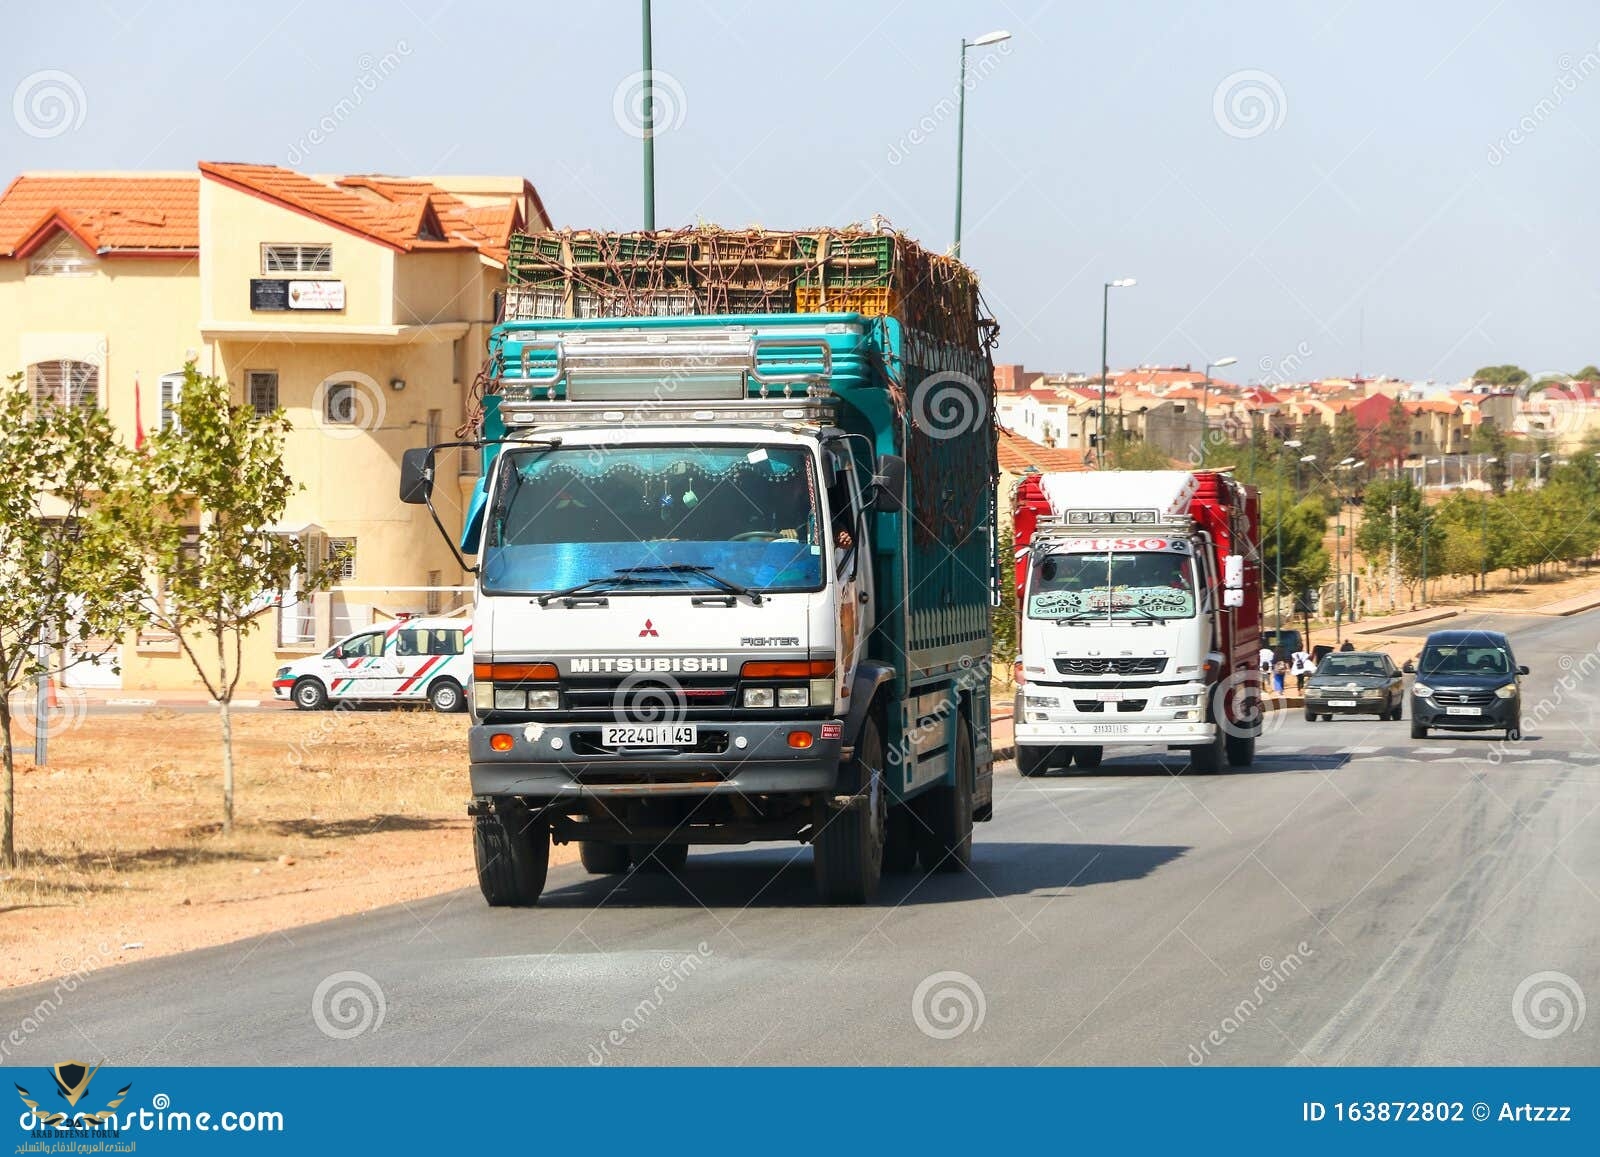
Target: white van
(407, 660)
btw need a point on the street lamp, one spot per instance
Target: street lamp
(994, 37)
(1277, 557)
(1205, 403)
(1483, 510)
(1538, 474)
(1105, 367)
(1338, 526)
(1298, 463)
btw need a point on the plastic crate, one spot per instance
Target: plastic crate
(878, 249)
(871, 300)
(533, 302)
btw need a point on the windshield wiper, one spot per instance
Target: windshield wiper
(618, 579)
(705, 572)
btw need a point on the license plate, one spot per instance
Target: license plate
(1110, 696)
(1463, 710)
(650, 735)
(1341, 702)
(1111, 729)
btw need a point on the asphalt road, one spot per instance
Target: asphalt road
(1356, 898)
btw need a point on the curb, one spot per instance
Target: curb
(1589, 606)
(1385, 625)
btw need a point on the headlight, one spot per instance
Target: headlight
(1506, 691)
(283, 673)
(1040, 701)
(1180, 700)
(794, 697)
(1421, 689)
(510, 699)
(758, 697)
(1372, 693)
(482, 696)
(544, 700)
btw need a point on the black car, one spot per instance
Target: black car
(1355, 683)
(1467, 681)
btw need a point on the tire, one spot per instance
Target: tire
(1418, 731)
(445, 696)
(1033, 762)
(847, 850)
(1088, 757)
(603, 859)
(1514, 732)
(944, 837)
(1311, 716)
(309, 694)
(900, 842)
(663, 859)
(512, 853)
(1207, 758)
(1240, 750)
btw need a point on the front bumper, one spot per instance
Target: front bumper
(281, 688)
(1120, 734)
(1337, 704)
(1497, 715)
(540, 768)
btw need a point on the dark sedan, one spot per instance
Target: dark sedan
(1467, 681)
(1355, 683)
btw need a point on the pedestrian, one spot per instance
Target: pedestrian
(1264, 660)
(1280, 671)
(1300, 663)
(1347, 645)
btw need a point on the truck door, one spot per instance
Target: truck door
(850, 567)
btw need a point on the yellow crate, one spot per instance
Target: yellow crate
(873, 300)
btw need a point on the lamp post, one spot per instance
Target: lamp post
(1205, 405)
(648, 109)
(1105, 367)
(1298, 463)
(1338, 526)
(1483, 514)
(1277, 554)
(994, 37)
(1538, 472)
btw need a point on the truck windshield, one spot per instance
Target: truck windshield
(562, 517)
(1112, 585)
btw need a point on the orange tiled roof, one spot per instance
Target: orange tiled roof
(1018, 454)
(108, 213)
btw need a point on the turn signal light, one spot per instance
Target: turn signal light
(800, 740)
(514, 672)
(793, 669)
(500, 741)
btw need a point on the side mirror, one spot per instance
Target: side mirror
(1522, 670)
(889, 484)
(416, 475)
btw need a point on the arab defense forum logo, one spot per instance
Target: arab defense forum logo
(72, 1082)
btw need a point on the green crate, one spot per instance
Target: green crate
(879, 248)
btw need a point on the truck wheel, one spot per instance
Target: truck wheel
(1087, 757)
(1418, 731)
(445, 697)
(1206, 759)
(310, 695)
(944, 838)
(900, 842)
(663, 859)
(1241, 750)
(512, 851)
(847, 851)
(1033, 761)
(602, 859)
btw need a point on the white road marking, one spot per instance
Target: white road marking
(1365, 750)
(1433, 751)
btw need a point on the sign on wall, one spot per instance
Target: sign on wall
(268, 295)
(275, 295)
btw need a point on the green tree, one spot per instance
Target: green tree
(1346, 438)
(1589, 373)
(1305, 563)
(1491, 442)
(1391, 441)
(1003, 618)
(203, 502)
(1394, 522)
(1507, 375)
(68, 572)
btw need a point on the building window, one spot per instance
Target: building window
(171, 391)
(63, 259)
(435, 595)
(1416, 437)
(342, 557)
(65, 383)
(297, 259)
(340, 404)
(261, 390)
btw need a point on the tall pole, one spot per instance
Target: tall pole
(649, 110)
(1427, 525)
(961, 143)
(1338, 582)
(1394, 554)
(1277, 559)
(1483, 511)
(1105, 368)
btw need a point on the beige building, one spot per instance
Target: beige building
(360, 305)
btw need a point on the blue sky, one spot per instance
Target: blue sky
(1402, 188)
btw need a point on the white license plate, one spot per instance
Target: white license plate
(1110, 696)
(1111, 729)
(1341, 702)
(1463, 710)
(649, 735)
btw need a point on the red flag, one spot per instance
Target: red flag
(138, 416)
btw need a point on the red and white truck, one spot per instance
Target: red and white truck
(1139, 613)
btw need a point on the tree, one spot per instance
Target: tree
(1394, 521)
(1391, 441)
(1507, 375)
(203, 502)
(1346, 437)
(1490, 441)
(1305, 563)
(1589, 373)
(68, 571)
(1003, 618)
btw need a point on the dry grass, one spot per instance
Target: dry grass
(120, 835)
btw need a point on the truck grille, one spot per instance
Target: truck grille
(1464, 698)
(1094, 706)
(1144, 666)
(643, 700)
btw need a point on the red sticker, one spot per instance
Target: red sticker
(832, 730)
